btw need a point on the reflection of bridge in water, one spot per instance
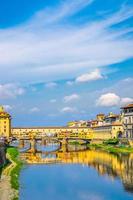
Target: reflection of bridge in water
(113, 165)
(63, 142)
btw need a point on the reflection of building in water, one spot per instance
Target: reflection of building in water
(113, 165)
(127, 176)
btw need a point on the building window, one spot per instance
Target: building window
(129, 120)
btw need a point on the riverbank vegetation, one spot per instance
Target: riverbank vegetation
(13, 156)
(11, 173)
(112, 146)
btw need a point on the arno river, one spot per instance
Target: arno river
(76, 174)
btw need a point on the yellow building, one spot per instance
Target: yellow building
(106, 132)
(5, 123)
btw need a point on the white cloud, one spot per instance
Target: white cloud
(34, 50)
(53, 100)
(7, 107)
(112, 99)
(10, 91)
(71, 97)
(92, 76)
(34, 109)
(126, 100)
(68, 110)
(51, 85)
(70, 83)
(108, 99)
(128, 80)
(65, 9)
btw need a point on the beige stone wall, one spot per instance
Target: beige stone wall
(116, 130)
(131, 143)
(102, 135)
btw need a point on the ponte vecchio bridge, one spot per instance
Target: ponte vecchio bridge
(53, 132)
(59, 134)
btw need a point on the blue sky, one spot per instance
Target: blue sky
(65, 60)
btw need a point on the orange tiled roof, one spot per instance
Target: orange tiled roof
(117, 123)
(128, 106)
(2, 114)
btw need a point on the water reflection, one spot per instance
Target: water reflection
(115, 166)
(50, 147)
(25, 147)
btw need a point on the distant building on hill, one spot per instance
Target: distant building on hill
(80, 123)
(111, 118)
(102, 120)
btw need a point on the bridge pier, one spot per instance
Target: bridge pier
(44, 142)
(33, 145)
(21, 143)
(64, 145)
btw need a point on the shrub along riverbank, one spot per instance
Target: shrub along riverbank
(112, 146)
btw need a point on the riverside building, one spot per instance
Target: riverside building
(127, 112)
(5, 123)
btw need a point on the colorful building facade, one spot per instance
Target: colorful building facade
(127, 112)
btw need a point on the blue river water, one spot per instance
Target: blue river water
(103, 177)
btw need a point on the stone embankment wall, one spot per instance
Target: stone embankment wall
(2, 154)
